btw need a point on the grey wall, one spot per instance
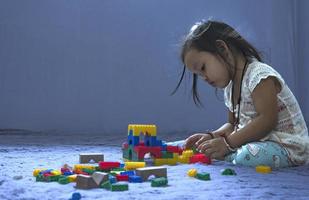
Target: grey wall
(98, 65)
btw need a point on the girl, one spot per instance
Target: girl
(265, 124)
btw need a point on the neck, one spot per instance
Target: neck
(239, 67)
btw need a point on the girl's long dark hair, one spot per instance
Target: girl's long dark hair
(203, 36)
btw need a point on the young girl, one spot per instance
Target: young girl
(265, 124)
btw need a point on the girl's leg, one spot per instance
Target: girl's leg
(260, 153)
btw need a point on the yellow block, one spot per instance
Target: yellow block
(263, 169)
(172, 161)
(142, 128)
(192, 172)
(80, 167)
(160, 161)
(37, 171)
(56, 172)
(187, 153)
(183, 159)
(133, 165)
(72, 178)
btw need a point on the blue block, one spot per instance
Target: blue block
(133, 140)
(129, 173)
(122, 165)
(159, 143)
(135, 179)
(163, 147)
(46, 171)
(68, 173)
(112, 179)
(76, 196)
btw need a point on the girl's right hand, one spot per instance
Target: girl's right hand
(195, 140)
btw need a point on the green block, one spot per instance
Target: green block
(166, 154)
(64, 180)
(228, 172)
(119, 169)
(40, 178)
(120, 187)
(159, 182)
(106, 185)
(53, 178)
(203, 176)
(195, 151)
(88, 171)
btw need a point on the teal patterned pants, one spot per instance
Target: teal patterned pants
(260, 153)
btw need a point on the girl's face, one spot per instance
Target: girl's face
(209, 67)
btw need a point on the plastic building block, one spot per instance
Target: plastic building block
(142, 150)
(112, 179)
(159, 182)
(76, 196)
(37, 171)
(228, 172)
(264, 169)
(135, 179)
(72, 178)
(200, 158)
(81, 167)
(145, 172)
(203, 176)
(120, 187)
(99, 177)
(129, 173)
(88, 157)
(122, 177)
(192, 172)
(134, 165)
(166, 154)
(106, 185)
(88, 171)
(137, 129)
(160, 161)
(85, 182)
(64, 180)
(174, 149)
(109, 165)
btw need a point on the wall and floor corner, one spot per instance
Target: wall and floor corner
(96, 66)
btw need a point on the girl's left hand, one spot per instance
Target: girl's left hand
(214, 148)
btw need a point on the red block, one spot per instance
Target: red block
(122, 177)
(174, 149)
(108, 165)
(200, 158)
(142, 150)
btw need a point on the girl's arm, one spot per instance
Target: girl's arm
(226, 128)
(265, 102)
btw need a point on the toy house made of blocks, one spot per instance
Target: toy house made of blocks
(135, 148)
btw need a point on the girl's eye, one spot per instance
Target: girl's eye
(203, 67)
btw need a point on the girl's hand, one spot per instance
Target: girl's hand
(195, 140)
(214, 148)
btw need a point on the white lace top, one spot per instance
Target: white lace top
(291, 131)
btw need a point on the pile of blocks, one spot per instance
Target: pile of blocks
(113, 176)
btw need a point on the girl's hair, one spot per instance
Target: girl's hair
(203, 36)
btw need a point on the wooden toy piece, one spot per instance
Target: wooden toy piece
(99, 177)
(192, 172)
(88, 157)
(159, 182)
(147, 171)
(228, 172)
(85, 182)
(264, 169)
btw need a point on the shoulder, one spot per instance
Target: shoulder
(258, 71)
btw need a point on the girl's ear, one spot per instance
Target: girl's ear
(222, 47)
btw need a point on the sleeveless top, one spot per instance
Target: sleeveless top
(291, 130)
